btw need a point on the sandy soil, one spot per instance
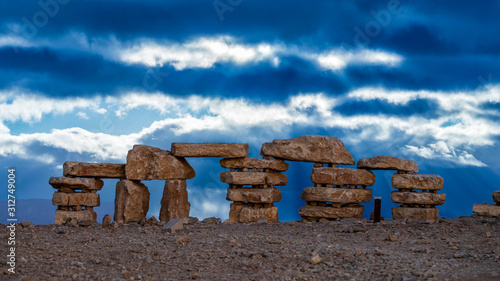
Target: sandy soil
(466, 248)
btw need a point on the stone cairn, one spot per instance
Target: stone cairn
(76, 194)
(490, 210)
(337, 192)
(416, 193)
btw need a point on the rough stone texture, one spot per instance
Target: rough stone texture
(414, 213)
(151, 163)
(422, 198)
(76, 183)
(174, 203)
(254, 195)
(311, 148)
(340, 176)
(106, 220)
(496, 196)
(318, 212)
(174, 225)
(407, 181)
(93, 170)
(254, 163)
(336, 195)
(388, 163)
(131, 201)
(486, 209)
(253, 178)
(61, 217)
(76, 199)
(245, 214)
(224, 150)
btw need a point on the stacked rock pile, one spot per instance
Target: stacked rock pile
(337, 192)
(252, 188)
(416, 193)
(490, 210)
(76, 194)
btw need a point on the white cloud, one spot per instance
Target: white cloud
(82, 115)
(440, 150)
(340, 59)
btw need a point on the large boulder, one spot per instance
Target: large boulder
(336, 195)
(254, 163)
(174, 203)
(151, 163)
(496, 196)
(388, 163)
(342, 176)
(93, 170)
(61, 216)
(131, 201)
(414, 213)
(311, 148)
(409, 181)
(223, 150)
(76, 199)
(240, 213)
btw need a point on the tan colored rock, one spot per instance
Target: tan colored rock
(408, 181)
(487, 210)
(254, 195)
(421, 198)
(76, 183)
(131, 201)
(341, 176)
(336, 195)
(174, 203)
(311, 148)
(93, 170)
(244, 214)
(151, 163)
(106, 220)
(496, 196)
(414, 213)
(254, 163)
(317, 212)
(388, 163)
(76, 199)
(223, 150)
(253, 178)
(61, 217)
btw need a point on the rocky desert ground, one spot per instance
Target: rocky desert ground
(465, 248)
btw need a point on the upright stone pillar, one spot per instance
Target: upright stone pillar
(131, 201)
(174, 203)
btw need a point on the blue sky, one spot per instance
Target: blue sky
(85, 81)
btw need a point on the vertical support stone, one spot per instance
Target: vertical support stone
(131, 201)
(174, 203)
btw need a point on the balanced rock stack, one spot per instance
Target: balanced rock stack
(151, 163)
(490, 210)
(337, 192)
(252, 188)
(416, 193)
(76, 194)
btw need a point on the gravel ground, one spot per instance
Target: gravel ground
(466, 248)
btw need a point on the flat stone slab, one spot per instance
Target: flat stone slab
(223, 150)
(239, 213)
(414, 213)
(496, 196)
(408, 181)
(131, 201)
(487, 210)
(336, 195)
(318, 212)
(254, 195)
(388, 163)
(342, 176)
(93, 170)
(76, 199)
(254, 163)
(421, 198)
(174, 203)
(253, 178)
(61, 217)
(311, 148)
(76, 183)
(151, 163)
